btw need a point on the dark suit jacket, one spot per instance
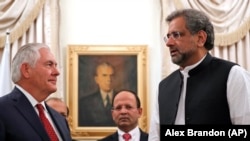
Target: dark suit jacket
(92, 111)
(20, 122)
(114, 137)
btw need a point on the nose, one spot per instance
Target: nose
(170, 42)
(56, 71)
(124, 110)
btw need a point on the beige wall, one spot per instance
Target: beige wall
(118, 22)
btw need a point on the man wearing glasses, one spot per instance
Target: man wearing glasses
(204, 90)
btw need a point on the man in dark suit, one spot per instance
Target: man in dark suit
(95, 109)
(34, 71)
(126, 112)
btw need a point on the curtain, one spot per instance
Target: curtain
(31, 21)
(231, 20)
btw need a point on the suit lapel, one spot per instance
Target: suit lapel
(115, 136)
(59, 122)
(143, 136)
(28, 112)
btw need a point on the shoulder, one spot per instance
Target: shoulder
(13, 98)
(91, 101)
(144, 135)
(239, 74)
(14, 94)
(222, 62)
(112, 137)
(92, 96)
(174, 76)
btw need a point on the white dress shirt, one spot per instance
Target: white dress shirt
(135, 134)
(238, 97)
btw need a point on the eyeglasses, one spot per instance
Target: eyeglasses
(119, 108)
(175, 35)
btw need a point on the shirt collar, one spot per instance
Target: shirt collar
(104, 94)
(188, 68)
(133, 132)
(31, 99)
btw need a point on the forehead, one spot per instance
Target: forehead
(177, 24)
(104, 68)
(44, 51)
(46, 54)
(124, 97)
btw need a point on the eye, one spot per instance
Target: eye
(118, 108)
(129, 107)
(168, 36)
(176, 35)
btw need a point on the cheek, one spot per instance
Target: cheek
(41, 72)
(193, 42)
(187, 45)
(114, 115)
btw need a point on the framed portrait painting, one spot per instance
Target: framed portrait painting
(95, 69)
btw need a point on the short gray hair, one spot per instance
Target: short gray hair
(196, 21)
(28, 53)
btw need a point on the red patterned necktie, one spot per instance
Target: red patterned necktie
(126, 136)
(49, 129)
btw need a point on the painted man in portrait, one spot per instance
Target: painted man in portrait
(95, 109)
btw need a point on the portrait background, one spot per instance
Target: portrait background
(130, 64)
(125, 68)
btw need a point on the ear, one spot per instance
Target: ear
(140, 111)
(202, 37)
(113, 114)
(25, 70)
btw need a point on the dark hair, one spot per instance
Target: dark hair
(196, 21)
(138, 102)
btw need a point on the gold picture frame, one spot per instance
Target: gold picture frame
(131, 63)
